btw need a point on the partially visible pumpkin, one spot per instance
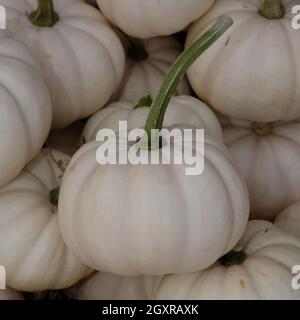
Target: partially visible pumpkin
(260, 269)
(148, 19)
(289, 219)
(147, 65)
(25, 108)
(268, 156)
(81, 57)
(181, 110)
(253, 71)
(32, 249)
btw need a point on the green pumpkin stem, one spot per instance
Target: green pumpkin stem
(272, 9)
(44, 15)
(136, 49)
(54, 196)
(234, 257)
(189, 56)
(144, 102)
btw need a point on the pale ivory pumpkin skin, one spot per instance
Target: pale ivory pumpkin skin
(66, 140)
(243, 76)
(268, 156)
(106, 286)
(289, 219)
(82, 59)
(10, 294)
(181, 110)
(264, 275)
(32, 249)
(163, 221)
(145, 77)
(152, 18)
(25, 111)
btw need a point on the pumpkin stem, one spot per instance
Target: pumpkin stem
(144, 102)
(272, 9)
(54, 196)
(189, 56)
(233, 257)
(136, 49)
(45, 15)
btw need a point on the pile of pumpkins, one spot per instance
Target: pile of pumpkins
(69, 68)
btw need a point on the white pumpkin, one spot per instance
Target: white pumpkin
(268, 156)
(9, 294)
(147, 65)
(106, 286)
(264, 273)
(81, 57)
(152, 18)
(253, 71)
(289, 219)
(164, 220)
(25, 110)
(66, 140)
(151, 219)
(32, 249)
(182, 109)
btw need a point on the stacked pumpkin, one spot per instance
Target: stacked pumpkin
(150, 231)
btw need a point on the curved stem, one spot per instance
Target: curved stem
(45, 15)
(234, 257)
(158, 109)
(272, 9)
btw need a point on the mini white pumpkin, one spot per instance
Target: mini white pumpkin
(289, 219)
(152, 18)
(9, 294)
(253, 71)
(164, 221)
(147, 65)
(181, 110)
(161, 215)
(66, 140)
(25, 108)
(106, 286)
(261, 271)
(81, 57)
(32, 249)
(268, 156)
